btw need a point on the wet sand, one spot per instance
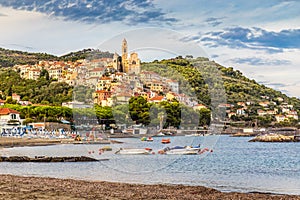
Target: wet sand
(16, 187)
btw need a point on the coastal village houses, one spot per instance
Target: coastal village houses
(116, 79)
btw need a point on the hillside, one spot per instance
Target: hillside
(9, 58)
(86, 54)
(36, 91)
(238, 88)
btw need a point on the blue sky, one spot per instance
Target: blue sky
(260, 38)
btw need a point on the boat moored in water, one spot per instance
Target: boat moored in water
(134, 151)
(166, 141)
(148, 139)
(180, 150)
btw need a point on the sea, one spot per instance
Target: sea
(230, 164)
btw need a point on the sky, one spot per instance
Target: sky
(259, 38)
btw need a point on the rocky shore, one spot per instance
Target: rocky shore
(16, 187)
(274, 138)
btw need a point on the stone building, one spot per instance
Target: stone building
(129, 65)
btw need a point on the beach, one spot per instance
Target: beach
(69, 185)
(6, 142)
(16, 187)
(18, 142)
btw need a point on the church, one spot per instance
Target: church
(127, 64)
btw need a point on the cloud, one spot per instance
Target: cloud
(254, 38)
(276, 86)
(214, 21)
(260, 61)
(130, 12)
(214, 56)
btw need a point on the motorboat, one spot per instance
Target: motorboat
(166, 141)
(180, 150)
(134, 151)
(148, 139)
(160, 134)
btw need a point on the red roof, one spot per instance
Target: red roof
(6, 111)
(102, 91)
(105, 78)
(157, 98)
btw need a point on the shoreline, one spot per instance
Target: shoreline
(7, 142)
(21, 187)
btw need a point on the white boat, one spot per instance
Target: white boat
(134, 151)
(159, 134)
(193, 135)
(179, 150)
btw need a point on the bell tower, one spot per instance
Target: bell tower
(124, 49)
(125, 55)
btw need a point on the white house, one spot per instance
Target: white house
(240, 111)
(280, 118)
(7, 115)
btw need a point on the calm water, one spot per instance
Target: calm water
(234, 164)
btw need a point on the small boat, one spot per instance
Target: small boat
(180, 150)
(193, 135)
(105, 148)
(166, 141)
(160, 134)
(134, 151)
(149, 139)
(169, 133)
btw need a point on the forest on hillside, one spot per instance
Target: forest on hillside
(41, 91)
(9, 58)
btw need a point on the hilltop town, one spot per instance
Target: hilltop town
(115, 80)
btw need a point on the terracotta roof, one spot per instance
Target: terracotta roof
(157, 98)
(6, 111)
(102, 91)
(105, 78)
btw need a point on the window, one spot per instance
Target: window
(13, 116)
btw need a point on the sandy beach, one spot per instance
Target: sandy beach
(17, 142)
(16, 187)
(7, 142)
